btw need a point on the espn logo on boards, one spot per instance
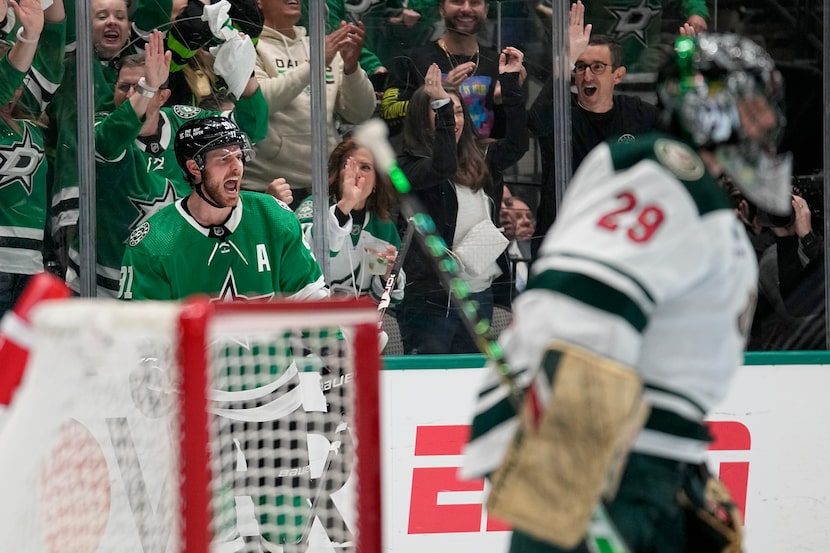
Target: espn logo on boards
(430, 513)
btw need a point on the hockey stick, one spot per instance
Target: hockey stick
(301, 544)
(601, 535)
(386, 297)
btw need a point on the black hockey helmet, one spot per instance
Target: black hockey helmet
(700, 90)
(199, 136)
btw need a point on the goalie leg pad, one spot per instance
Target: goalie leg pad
(556, 469)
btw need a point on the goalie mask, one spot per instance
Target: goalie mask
(722, 92)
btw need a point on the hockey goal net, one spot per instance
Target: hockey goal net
(196, 427)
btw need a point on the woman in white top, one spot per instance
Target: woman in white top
(363, 240)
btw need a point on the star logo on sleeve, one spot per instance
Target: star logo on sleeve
(20, 160)
(229, 293)
(147, 208)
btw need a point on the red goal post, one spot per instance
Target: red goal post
(198, 427)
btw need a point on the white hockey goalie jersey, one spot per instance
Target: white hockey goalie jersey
(648, 265)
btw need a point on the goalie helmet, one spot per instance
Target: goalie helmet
(703, 90)
(197, 137)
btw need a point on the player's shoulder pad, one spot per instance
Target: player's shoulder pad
(678, 158)
(138, 234)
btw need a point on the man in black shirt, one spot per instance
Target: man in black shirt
(464, 64)
(597, 115)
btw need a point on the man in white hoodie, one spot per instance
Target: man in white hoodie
(284, 73)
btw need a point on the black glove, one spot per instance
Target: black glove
(246, 17)
(189, 29)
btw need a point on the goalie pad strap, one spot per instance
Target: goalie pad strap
(556, 470)
(713, 522)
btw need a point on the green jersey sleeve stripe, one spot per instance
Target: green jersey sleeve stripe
(485, 421)
(516, 375)
(592, 292)
(683, 397)
(664, 421)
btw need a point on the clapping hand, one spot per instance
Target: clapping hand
(687, 30)
(578, 33)
(156, 61)
(510, 60)
(433, 85)
(802, 224)
(348, 41)
(29, 15)
(351, 187)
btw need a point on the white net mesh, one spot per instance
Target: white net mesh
(92, 454)
(86, 450)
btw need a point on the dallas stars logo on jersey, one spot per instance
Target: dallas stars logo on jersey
(20, 160)
(148, 208)
(258, 254)
(229, 292)
(633, 21)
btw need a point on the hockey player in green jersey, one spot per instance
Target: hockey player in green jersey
(30, 70)
(230, 244)
(646, 282)
(136, 169)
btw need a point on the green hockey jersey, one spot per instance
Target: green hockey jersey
(62, 133)
(637, 26)
(258, 254)
(22, 156)
(137, 176)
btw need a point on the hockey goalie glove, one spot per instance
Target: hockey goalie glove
(575, 431)
(713, 521)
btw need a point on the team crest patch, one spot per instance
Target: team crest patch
(187, 112)
(679, 158)
(139, 233)
(305, 211)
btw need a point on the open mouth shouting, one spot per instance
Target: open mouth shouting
(112, 37)
(589, 90)
(231, 188)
